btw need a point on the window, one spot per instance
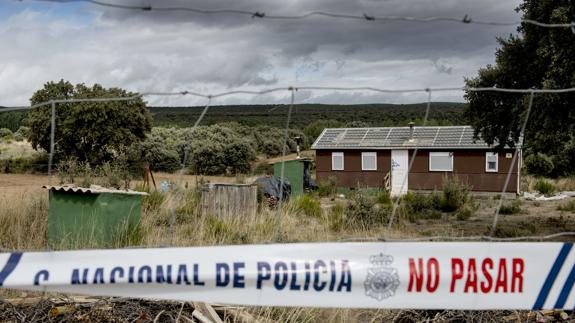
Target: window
(491, 162)
(369, 161)
(441, 161)
(337, 161)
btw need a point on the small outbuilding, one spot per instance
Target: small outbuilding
(380, 157)
(298, 173)
(94, 216)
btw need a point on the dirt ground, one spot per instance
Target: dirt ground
(535, 217)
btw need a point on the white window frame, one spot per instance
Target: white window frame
(487, 162)
(337, 154)
(371, 154)
(440, 154)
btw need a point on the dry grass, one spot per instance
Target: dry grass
(173, 219)
(528, 183)
(23, 221)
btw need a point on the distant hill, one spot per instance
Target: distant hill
(441, 113)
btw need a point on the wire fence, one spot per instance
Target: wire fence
(261, 14)
(291, 91)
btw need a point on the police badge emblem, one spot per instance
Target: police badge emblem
(381, 281)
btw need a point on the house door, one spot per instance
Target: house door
(399, 168)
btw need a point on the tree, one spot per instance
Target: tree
(91, 131)
(536, 58)
(314, 129)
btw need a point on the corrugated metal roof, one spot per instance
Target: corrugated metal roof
(93, 189)
(398, 137)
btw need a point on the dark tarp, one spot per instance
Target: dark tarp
(270, 186)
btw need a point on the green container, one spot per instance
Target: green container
(89, 218)
(294, 172)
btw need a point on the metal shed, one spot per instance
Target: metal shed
(296, 171)
(93, 216)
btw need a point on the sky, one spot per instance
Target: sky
(149, 51)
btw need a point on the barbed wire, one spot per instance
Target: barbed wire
(260, 14)
(292, 91)
(289, 88)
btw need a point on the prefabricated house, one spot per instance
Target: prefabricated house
(380, 157)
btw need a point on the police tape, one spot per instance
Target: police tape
(410, 275)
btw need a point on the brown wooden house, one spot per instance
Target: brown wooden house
(380, 157)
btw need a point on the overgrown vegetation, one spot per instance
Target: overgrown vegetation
(308, 205)
(455, 198)
(568, 206)
(327, 188)
(545, 187)
(513, 207)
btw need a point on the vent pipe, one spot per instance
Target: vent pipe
(298, 141)
(411, 131)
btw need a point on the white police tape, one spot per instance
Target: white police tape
(430, 275)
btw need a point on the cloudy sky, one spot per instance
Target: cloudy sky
(176, 51)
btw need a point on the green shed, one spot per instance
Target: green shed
(93, 217)
(296, 171)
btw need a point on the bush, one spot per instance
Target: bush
(38, 163)
(327, 187)
(217, 150)
(5, 132)
(426, 206)
(336, 218)
(539, 164)
(455, 194)
(308, 206)
(545, 187)
(463, 213)
(18, 136)
(363, 211)
(569, 206)
(511, 208)
(383, 197)
(24, 131)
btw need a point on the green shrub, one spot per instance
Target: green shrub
(224, 231)
(5, 132)
(383, 197)
(309, 206)
(539, 164)
(569, 206)
(463, 213)
(363, 211)
(152, 202)
(18, 136)
(336, 217)
(327, 187)
(511, 208)
(24, 131)
(545, 187)
(34, 164)
(455, 194)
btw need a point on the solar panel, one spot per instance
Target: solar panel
(389, 137)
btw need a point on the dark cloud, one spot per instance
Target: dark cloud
(155, 50)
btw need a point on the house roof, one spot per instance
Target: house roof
(454, 137)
